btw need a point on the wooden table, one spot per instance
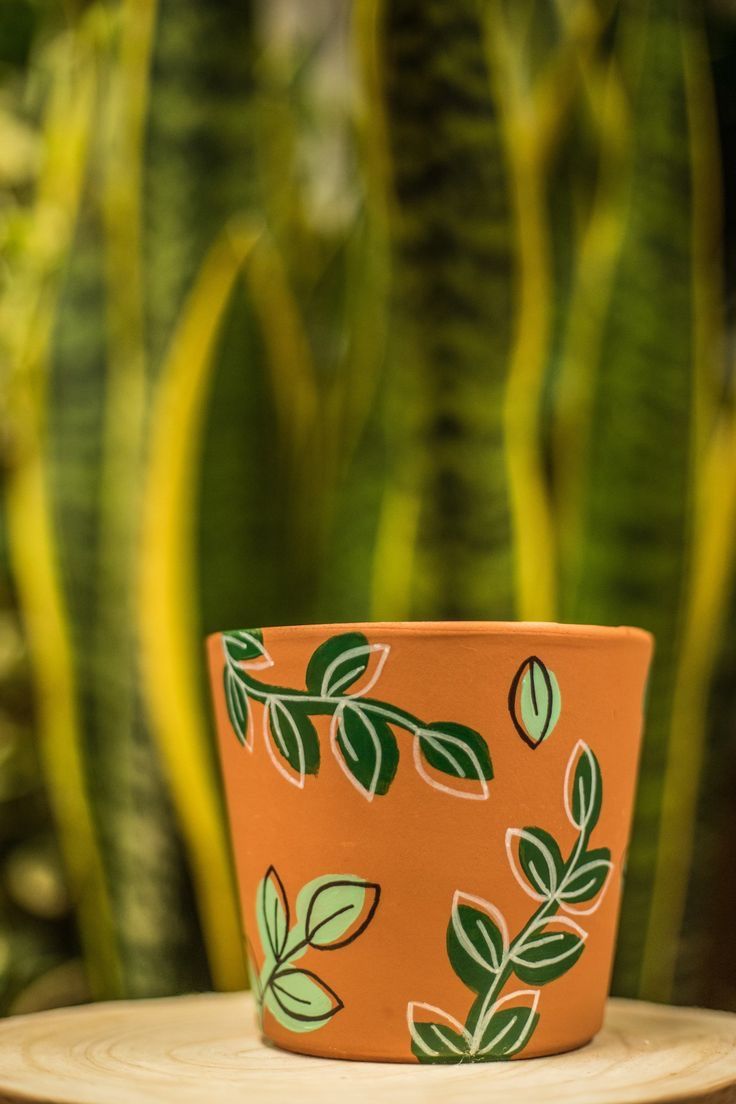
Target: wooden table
(204, 1049)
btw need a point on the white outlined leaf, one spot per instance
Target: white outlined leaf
(538, 863)
(507, 1026)
(587, 882)
(343, 661)
(237, 701)
(291, 740)
(435, 1034)
(454, 751)
(365, 748)
(583, 788)
(245, 647)
(477, 940)
(551, 947)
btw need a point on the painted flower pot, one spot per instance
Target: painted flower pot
(429, 824)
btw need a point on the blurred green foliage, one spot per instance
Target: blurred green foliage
(398, 309)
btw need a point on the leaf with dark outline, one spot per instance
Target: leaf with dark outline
(273, 913)
(303, 996)
(335, 907)
(534, 701)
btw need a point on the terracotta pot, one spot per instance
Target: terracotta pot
(429, 824)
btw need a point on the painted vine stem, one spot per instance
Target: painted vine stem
(485, 958)
(450, 757)
(331, 912)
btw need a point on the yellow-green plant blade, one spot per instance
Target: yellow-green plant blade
(630, 561)
(452, 235)
(168, 621)
(28, 312)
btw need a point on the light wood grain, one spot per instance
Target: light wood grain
(204, 1049)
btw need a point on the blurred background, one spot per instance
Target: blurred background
(388, 309)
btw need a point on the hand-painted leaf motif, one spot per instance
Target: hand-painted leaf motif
(551, 947)
(365, 747)
(338, 910)
(435, 1035)
(238, 706)
(507, 1027)
(534, 701)
(246, 645)
(301, 1000)
(272, 913)
(588, 878)
(340, 662)
(456, 751)
(291, 738)
(583, 788)
(477, 941)
(539, 861)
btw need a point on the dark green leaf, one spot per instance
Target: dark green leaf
(338, 663)
(435, 1036)
(245, 644)
(339, 910)
(366, 748)
(589, 876)
(456, 750)
(540, 859)
(587, 788)
(475, 943)
(548, 951)
(294, 739)
(506, 1031)
(534, 701)
(302, 997)
(236, 699)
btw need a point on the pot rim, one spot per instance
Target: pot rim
(622, 633)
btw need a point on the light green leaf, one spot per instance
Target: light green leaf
(366, 748)
(335, 909)
(272, 913)
(534, 701)
(300, 1000)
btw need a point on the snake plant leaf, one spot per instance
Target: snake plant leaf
(534, 701)
(453, 239)
(272, 907)
(339, 909)
(365, 747)
(300, 1000)
(477, 941)
(551, 947)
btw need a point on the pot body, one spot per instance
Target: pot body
(429, 823)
